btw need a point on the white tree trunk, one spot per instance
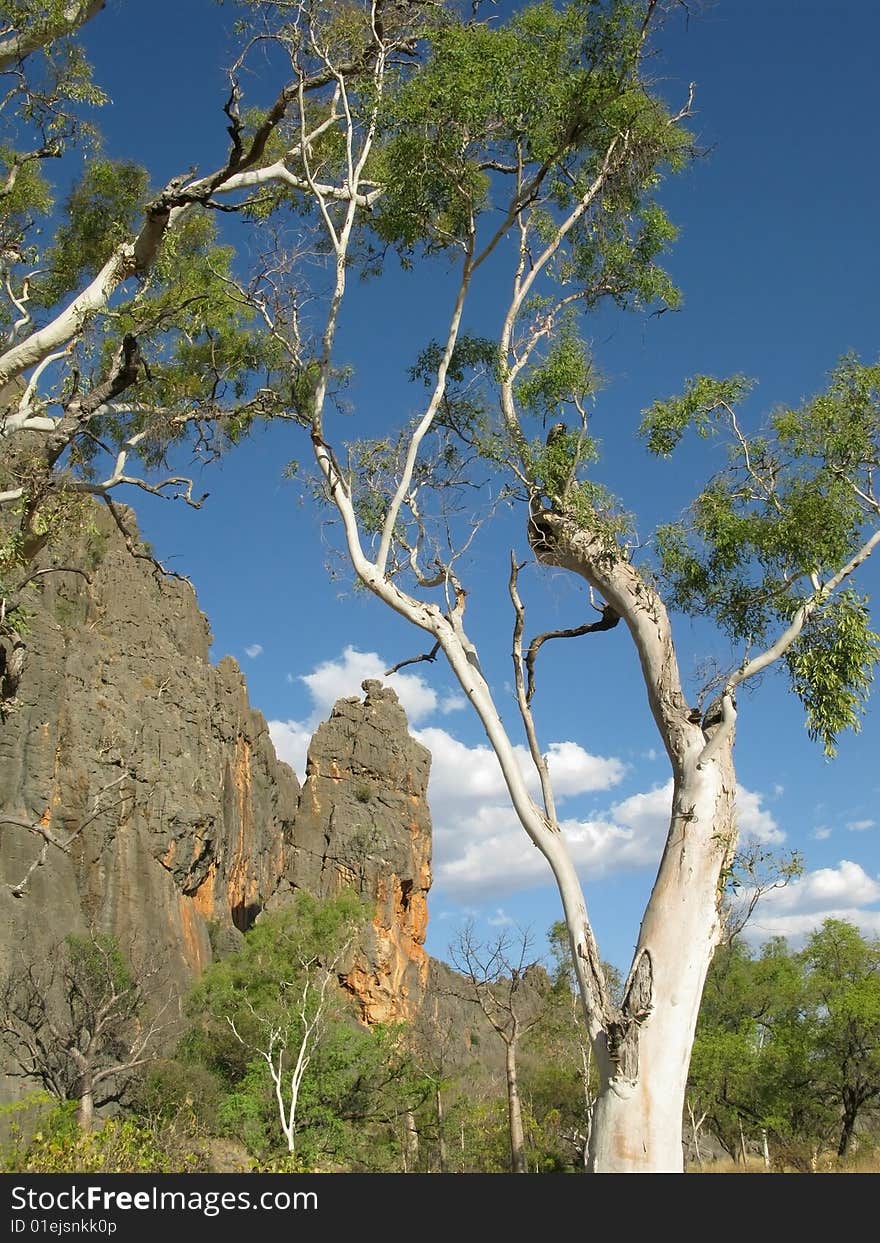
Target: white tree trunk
(637, 1118)
(514, 1111)
(85, 1112)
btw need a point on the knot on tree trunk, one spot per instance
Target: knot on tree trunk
(622, 1032)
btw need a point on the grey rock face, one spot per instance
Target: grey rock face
(363, 823)
(140, 794)
(146, 762)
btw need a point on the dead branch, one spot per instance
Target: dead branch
(159, 569)
(414, 660)
(609, 619)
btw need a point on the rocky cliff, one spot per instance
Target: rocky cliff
(363, 822)
(140, 794)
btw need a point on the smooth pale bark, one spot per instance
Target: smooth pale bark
(637, 1117)
(85, 1110)
(441, 1137)
(20, 44)
(410, 1143)
(514, 1110)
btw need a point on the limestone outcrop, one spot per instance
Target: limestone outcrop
(140, 793)
(363, 823)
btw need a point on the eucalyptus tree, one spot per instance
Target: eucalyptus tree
(536, 144)
(520, 155)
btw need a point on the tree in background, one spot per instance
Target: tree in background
(506, 986)
(274, 1025)
(83, 1023)
(276, 995)
(522, 156)
(438, 1051)
(789, 1043)
(561, 1073)
(842, 971)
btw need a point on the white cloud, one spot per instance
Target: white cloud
(463, 774)
(291, 741)
(842, 892)
(500, 919)
(753, 820)
(341, 679)
(480, 847)
(796, 928)
(822, 833)
(846, 885)
(253, 650)
(575, 771)
(859, 826)
(484, 849)
(338, 679)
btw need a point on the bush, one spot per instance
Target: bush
(120, 1146)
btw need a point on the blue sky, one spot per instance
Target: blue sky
(779, 263)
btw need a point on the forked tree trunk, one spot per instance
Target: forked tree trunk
(637, 1117)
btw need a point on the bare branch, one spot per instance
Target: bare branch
(609, 619)
(523, 699)
(414, 660)
(136, 552)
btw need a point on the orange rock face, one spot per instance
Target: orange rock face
(363, 823)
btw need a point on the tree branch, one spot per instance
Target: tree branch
(18, 45)
(609, 619)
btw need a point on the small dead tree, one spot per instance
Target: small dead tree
(112, 794)
(84, 1022)
(754, 872)
(435, 1042)
(497, 975)
(287, 1038)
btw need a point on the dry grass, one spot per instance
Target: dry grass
(861, 1163)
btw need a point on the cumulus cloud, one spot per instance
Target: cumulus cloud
(291, 741)
(842, 892)
(822, 833)
(848, 884)
(859, 826)
(253, 650)
(796, 928)
(463, 774)
(337, 679)
(480, 847)
(480, 850)
(755, 821)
